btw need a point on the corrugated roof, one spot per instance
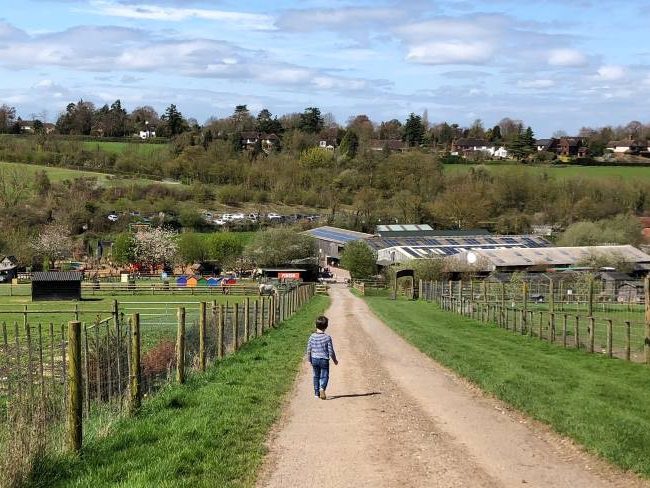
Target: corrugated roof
(458, 243)
(57, 276)
(403, 227)
(555, 256)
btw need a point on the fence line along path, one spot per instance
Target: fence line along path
(584, 314)
(80, 369)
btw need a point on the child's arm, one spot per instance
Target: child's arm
(330, 347)
(308, 352)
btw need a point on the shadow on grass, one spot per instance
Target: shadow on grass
(354, 395)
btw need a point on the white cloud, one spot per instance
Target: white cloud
(242, 20)
(536, 84)
(340, 19)
(611, 72)
(566, 57)
(451, 52)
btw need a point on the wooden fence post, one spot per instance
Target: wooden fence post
(256, 312)
(592, 333)
(590, 298)
(628, 342)
(247, 325)
(524, 322)
(135, 391)
(541, 325)
(220, 328)
(180, 347)
(235, 327)
(646, 342)
(75, 396)
(202, 335)
(576, 335)
(610, 337)
(551, 334)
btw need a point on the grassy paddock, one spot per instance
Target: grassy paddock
(210, 432)
(628, 173)
(604, 404)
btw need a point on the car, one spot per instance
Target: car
(226, 217)
(238, 216)
(273, 216)
(219, 222)
(113, 217)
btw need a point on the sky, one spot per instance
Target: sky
(556, 65)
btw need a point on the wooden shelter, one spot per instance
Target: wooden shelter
(52, 285)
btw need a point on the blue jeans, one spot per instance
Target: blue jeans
(321, 373)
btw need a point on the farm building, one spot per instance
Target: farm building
(8, 269)
(53, 285)
(545, 258)
(399, 250)
(399, 243)
(330, 241)
(284, 274)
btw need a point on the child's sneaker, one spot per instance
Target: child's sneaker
(322, 395)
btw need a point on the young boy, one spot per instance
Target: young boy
(319, 351)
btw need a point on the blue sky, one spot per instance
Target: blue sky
(557, 65)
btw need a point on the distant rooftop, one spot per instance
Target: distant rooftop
(335, 234)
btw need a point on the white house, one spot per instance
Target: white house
(146, 134)
(498, 152)
(627, 146)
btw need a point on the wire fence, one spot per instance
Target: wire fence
(123, 354)
(611, 318)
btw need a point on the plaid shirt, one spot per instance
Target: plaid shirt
(320, 346)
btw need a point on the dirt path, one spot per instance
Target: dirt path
(395, 418)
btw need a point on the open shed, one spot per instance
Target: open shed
(52, 285)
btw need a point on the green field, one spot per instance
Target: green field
(62, 174)
(55, 174)
(628, 173)
(210, 432)
(121, 147)
(604, 404)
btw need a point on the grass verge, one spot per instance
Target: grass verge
(604, 404)
(210, 432)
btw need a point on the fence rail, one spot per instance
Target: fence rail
(80, 369)
(582, 319)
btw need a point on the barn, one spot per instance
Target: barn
(51, 285)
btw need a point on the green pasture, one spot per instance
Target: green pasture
(121, 147)
(627, 173)
(602, 403)
(157, 311)
(57, 174)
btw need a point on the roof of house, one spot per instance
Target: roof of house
(627, 143)
(57, 276)
(399, 230)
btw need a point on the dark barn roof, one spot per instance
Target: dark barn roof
(57, 276)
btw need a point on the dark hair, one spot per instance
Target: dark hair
(321, 322)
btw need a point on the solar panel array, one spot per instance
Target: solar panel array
(336, 235)
(435, 251)
(459, 243)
